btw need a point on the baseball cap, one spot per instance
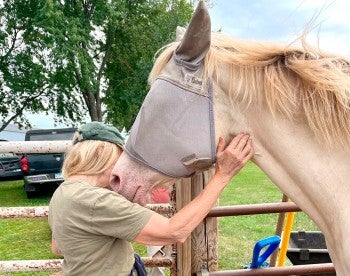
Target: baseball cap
(100, 132)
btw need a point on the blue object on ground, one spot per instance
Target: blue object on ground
(259, 260)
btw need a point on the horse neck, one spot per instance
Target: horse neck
(314, 177)
(290, 149)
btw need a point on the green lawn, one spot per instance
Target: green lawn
(30, 238)
(25, 238)
(238, 235)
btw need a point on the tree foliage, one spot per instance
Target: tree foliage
(66, 57)
(144, 31)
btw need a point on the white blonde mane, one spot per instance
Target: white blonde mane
(299, 82)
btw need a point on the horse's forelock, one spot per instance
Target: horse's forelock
(163, 58)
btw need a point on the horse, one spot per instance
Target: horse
(294, 100)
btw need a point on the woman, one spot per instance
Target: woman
(93, 226)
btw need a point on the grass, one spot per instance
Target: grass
(25, 239)
(238, 235)
(12, 194)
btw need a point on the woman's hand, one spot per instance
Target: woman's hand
(230, 160)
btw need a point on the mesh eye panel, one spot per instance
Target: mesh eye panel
(173, 125)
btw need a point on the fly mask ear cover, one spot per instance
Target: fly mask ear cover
(174, 130)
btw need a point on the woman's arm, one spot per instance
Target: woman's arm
(230, 160)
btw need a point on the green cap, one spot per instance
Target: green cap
(100, 132)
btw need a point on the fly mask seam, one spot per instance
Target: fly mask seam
(211, 121)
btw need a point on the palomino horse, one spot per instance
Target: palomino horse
(294, 101)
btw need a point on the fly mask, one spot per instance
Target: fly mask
(174, 129)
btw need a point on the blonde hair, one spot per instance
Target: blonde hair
(290, 80)
(90, 157)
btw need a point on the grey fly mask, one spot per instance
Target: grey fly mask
(174, 130)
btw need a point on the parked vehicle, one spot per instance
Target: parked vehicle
(42, 171)
(10, 166)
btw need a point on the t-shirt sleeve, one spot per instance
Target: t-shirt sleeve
(113, 215)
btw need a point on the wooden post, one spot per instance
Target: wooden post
(211, 233)
(279, 229)
(183, 197)
(204, 238)
(198, 237)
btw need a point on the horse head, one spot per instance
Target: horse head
(175, 132)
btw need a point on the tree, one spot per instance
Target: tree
(26, 75)
(68, 56)
(149, 25)
(80, 36)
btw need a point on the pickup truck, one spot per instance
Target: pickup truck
(42, 171)
(10, 166)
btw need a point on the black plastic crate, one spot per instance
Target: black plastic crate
(308, 248)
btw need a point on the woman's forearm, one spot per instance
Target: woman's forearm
(161, 231)
(188, 218)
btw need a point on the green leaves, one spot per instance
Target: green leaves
(146, 27)
(76, 57)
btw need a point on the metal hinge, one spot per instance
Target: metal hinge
(204, 269)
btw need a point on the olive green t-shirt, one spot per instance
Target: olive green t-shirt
(93, 228)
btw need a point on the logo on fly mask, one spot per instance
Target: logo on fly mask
(192, 81)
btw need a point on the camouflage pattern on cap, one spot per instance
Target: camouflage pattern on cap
(100, 132)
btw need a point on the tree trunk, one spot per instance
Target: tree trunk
(93, 102)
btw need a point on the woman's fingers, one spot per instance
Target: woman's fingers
(238, 142)
(240, 145)
(248, 150)
(242, 142)
(221, 145)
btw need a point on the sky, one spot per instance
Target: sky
(284, 20)
(274, 20)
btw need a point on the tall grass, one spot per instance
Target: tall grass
(25, 239)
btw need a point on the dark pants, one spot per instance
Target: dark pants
(139, 267)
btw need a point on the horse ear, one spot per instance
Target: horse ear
(196, 40)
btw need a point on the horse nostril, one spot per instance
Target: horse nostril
(115, 182)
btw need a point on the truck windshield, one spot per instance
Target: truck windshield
(51, 136)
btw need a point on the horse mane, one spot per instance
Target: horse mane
(294, 81)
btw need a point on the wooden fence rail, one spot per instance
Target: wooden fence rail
(56, 264)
